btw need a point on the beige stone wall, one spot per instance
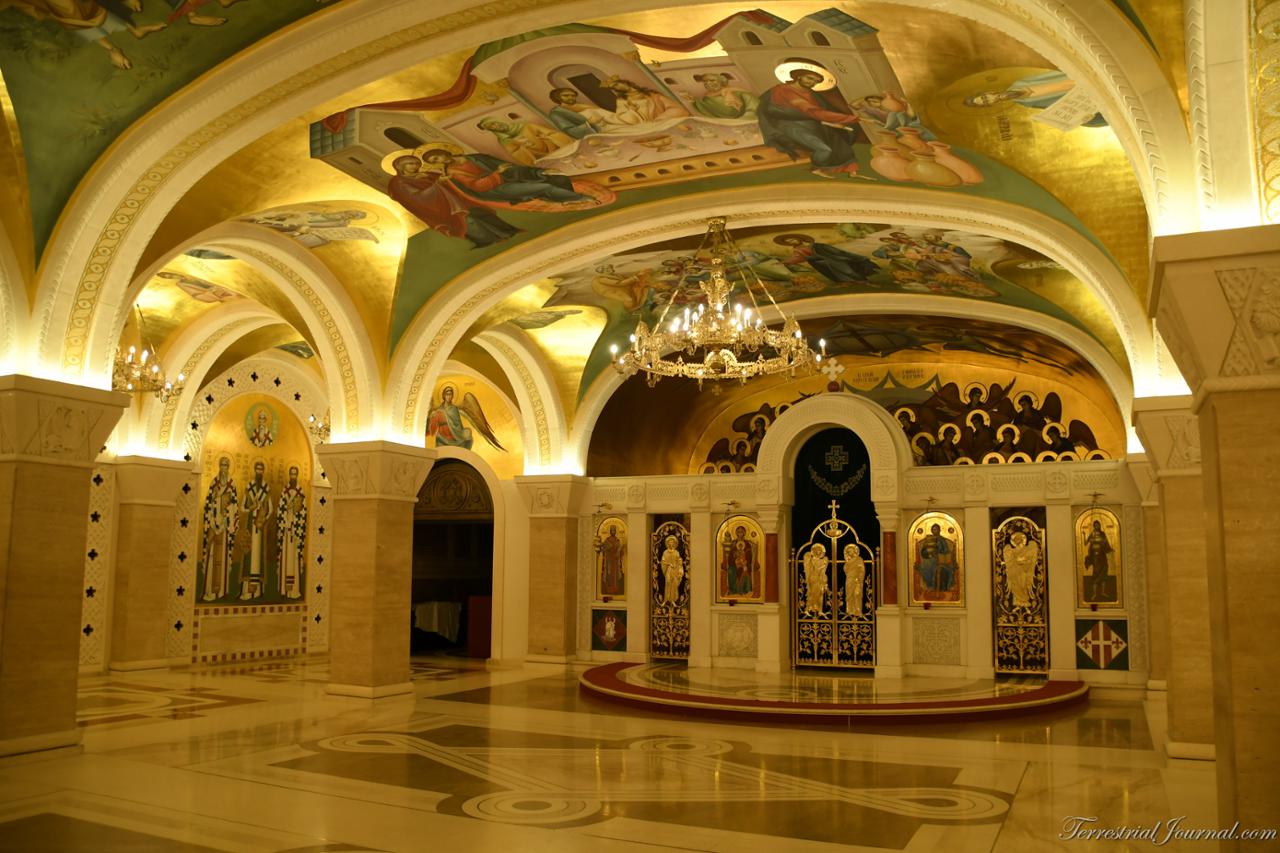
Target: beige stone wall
(552, 579)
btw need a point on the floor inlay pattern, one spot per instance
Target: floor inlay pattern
(260, 758)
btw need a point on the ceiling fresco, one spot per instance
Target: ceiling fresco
(400, 185)
(797, 262)
(82, 71)
(926, 364)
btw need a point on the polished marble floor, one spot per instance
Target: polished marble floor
(259, 758)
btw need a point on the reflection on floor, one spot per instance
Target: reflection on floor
(837, 696)
(259, 758)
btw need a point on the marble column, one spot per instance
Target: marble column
(773, 622)
(637, 585)
(50, 435)
(891, 624)
(702, 593)
(1157, 578)
(1216, 299)
(146, 494)
(375, 485)
(554, 503)
(1170, 435)
(980, 627)
(1060, 534)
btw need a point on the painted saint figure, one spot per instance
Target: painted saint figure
(815, 577)
(1037, 92)
(612, 553)
(218, 534)
(793, 116)
(1020, 559)
(291, 536)
(855, 579)
(740, 563)
(672, 565)
(446, 421)
(89, 20)
(434, 200)
(1097, 560)
(937, 566)
(261, 434)
(722, 100)
(257, 512)
(525, 142)
(573, 118)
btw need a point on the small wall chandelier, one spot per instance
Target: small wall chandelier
(137, 370)
(708, 339)
(319, 428)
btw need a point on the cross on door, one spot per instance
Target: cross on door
(836, 458)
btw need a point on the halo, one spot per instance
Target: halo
(394, 156)
(422, 149)
(1035, 400)
(783, 72)
(979, 386)
(992, 458)
(1017, 433)
(981, 414)
(922, 435)
(1044, 431)
(910, 414)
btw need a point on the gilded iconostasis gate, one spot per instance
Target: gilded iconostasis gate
(834, 534)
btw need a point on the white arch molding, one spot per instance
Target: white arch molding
(890, 456)
(591, 406)
(134, 185)
(441, 324)
(331, 319)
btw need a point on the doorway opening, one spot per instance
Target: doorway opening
(452, 563)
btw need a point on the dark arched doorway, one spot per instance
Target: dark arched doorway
(834, 536)
(452, 563)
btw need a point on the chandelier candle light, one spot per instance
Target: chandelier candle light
(137, 369)
(710, 339)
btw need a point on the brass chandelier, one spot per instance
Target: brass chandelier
(137, 370)
(711, 340)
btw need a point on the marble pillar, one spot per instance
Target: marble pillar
(50, 435)
(1170, 434)
(702, 594)
(146, 494)
(1060, 536)
(637, 586)
(555, 504)
(1140, 470)
(978, 602)
(891, 622)
(375, 485)
(1216, 299)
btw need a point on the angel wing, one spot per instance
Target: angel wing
(719, 451)
(471, 408)
(1051, 408)
(1079, 434)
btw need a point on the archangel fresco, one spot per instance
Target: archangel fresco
(937, 560)
(740, 560)
(256, 462)
(468, 413)
(1099, 580)
(610, 545)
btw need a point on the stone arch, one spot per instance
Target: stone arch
(886, 445)
(351, 371)
(133, 187)
(542, 418)
(433, 333)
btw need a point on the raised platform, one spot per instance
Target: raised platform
(822, 695)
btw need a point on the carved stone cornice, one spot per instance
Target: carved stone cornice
(148, 481)
(553, 495)
(1170, 434)
(383, 470)
(55, 422)
(1216, 300)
